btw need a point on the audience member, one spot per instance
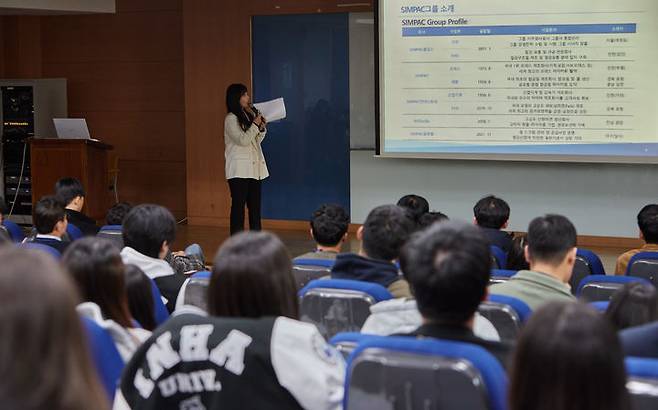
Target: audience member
(251, 352)
(329, 225)
(96, 267)
(430, 218)
(382, 235)
(448, 267)
(641, 341)
(140, 296)
(117, 213)
(555, 358)
(50, 223)
(45, 361)
(647, 220)
(416, 206)
(516, 256)
(148, 230)
(492, 215)
(402, 315)
(635, 304)
(72, 194)
(551, 252)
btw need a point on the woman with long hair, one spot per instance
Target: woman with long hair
(635, 304)
(98, 271)
(244, 131)
(45, 363)
(568, 357)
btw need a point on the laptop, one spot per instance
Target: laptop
(71, 128)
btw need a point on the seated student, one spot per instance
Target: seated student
(402, 315)
(640, 341)
(72, 194)
(50, 223)
(416, 205)
(551, 252)
(251, 352)
(329, 225)
(140, 296)
(147, 231)
(647, 220)
(516, 256)
(382, 235)
(635, 304)
(554, 360)
(45, 361)
(448, 267)
(117, 213)
(492, 215)
(430, 218)
(97, 270)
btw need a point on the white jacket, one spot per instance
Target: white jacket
(243, 153)
(396, 316)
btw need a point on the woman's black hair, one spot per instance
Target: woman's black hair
(568, 357)
(516, 256)
(140, 296)
(635, 304)
(233, 94)
(252, 277)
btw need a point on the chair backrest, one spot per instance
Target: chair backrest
(499, 257)
(408, 373)
(73, 232)
(642, 382)
(595, 288)
(600, 306)
(195, 290)
(112, 233)
(501, 275)
(506, 313)
(644, 265)
(306, 270)
(587, 263)
(339, 305)
(346, 342)
(42, 248)
(105, 356)
(159, 309)
(15, 231)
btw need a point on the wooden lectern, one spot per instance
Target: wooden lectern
(86, 160)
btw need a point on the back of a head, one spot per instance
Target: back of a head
(635, 304)
(140, 296)
(252, 277)
(647, 220)
(550, 237)
(430, 218)
(448, 268)
(329, 224)
(44, 358)
(147, 227)
(98, 271)
(568, 357)
(385, 231)
(47, 212)
(491, 212)
(117, 213)
(416, 205)
(67, 189)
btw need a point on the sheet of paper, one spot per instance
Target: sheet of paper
(273, 110)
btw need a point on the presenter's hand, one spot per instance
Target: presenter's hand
(259, 120)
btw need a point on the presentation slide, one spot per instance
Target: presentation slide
(565, 80)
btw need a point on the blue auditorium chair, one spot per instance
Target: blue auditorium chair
(339, 305)
(73, 232)
(501, 275)
(403, 372)
(642, 382)
(42, 248)
(499, 257)
(105, 356)
(644, 265)
(595, 288)
(587, 263)
(15, 231)
(194, 291)
(600, 306)
(159, 309)
(346, 342)
(112, 233)
(306, 270)
(506, 313)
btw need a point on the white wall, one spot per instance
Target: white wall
(600, 199)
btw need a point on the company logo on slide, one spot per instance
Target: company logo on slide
(416, 9)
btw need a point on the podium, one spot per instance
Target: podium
(86, 160)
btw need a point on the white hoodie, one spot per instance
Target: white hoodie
(402, 316)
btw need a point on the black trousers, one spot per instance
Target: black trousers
(244, 191)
